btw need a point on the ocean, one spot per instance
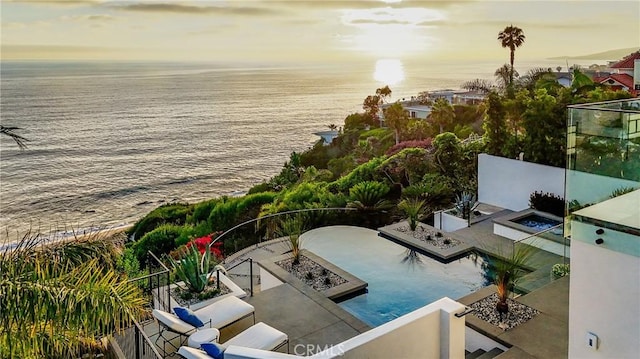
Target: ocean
(108, 142)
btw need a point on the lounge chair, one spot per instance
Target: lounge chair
(259, 336)
(216, 315)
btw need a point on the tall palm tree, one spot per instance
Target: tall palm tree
(511, 37)
(9, 131)
(59, 299)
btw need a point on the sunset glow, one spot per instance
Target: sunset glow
(389, 71)
(272, 31)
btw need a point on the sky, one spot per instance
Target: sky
(310, 31)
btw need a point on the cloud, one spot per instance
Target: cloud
(575, 25)
(92, 18)
(177, 8)
(380, 22)
(366, 4)
(56, 2)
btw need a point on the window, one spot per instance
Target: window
(413, 114)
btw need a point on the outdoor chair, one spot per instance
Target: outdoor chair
(259, 336)
(216, 315)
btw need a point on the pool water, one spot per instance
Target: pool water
(400, 280)
(537, 222)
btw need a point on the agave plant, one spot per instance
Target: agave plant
(59, 299)
(193, 269)
(466, 203)
(292, 229)
(508, 270)
(414, 209)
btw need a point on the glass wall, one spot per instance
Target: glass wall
(603, 149)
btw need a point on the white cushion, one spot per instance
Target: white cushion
(172, 321)
(224, 312)
(258, 336)
(207, 335)
(191, 353)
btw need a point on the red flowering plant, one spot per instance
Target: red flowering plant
(202, 243)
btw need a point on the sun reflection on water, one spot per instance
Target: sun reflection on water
(389, 71)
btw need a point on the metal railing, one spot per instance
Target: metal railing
(133, 342)
(250, 260)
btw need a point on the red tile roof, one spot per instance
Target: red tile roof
(624, 79)
(627, 62)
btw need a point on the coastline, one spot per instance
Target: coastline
(57, 237)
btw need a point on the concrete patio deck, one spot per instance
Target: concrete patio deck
(544, 336)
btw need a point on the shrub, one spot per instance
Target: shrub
(560, 270)
(547, 202)
(129, 264)
(341, 165)
(202, 210)
(620, 191)
(159, 241)
(426, 144)
(172, 213)
(365, 172)
(261, 187)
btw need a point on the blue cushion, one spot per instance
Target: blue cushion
(188, 316)
(214, 350)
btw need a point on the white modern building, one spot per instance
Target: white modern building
(604, 296)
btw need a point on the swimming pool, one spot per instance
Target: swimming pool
(400, 280)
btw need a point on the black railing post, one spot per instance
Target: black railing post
(218, 279)
(168, 304)
(137, 339)
(149, 260)
(251, 276)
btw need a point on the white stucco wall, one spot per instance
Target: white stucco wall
(448, 222)
(508, 183)
(604, 297)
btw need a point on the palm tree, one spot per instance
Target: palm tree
(397, 118)
(480, 85)
(442, 113)
(504, 75)
(59, 299)
(9, 131)
(511, 37)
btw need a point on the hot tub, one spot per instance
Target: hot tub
(523, 224)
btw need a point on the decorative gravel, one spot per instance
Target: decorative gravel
(318, 273)
(175, 294)
(518, 312)
(429, 236)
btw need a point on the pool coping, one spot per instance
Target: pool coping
(352, 286)
(445, 255)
